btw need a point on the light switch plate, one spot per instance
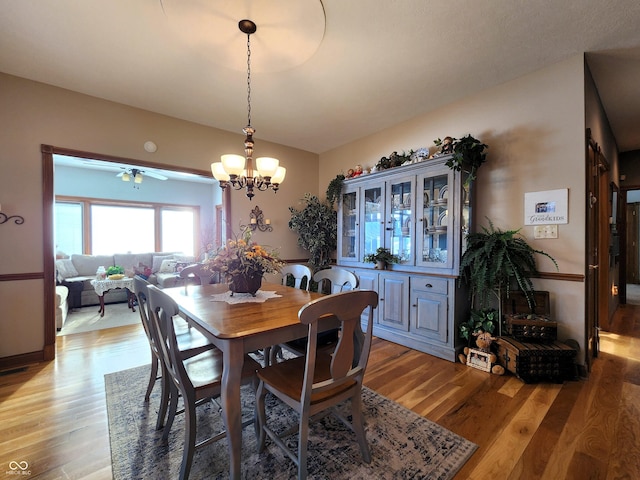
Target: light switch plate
(545, 231)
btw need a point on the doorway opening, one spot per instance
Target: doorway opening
(48, 163)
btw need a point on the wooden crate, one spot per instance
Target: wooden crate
(517, 303)
(526, 324)
(534, 362)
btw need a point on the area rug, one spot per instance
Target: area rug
(87, 319)
(403, 444)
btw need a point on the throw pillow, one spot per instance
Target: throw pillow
(143, 270)
(65, 268)
(157, 262)
(168, 266)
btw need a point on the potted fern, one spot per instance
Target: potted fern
(382, 257)
(494, 262)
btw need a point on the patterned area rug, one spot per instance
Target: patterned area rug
(403, 444)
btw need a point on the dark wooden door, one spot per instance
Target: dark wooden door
(595, 201)
(631, 249)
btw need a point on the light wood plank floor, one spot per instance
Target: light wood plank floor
(53, 415)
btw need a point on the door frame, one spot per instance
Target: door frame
(48, 200)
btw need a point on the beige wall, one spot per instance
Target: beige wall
(535, 129)
(534, 126)
(34, 113)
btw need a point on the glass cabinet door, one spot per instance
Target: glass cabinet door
(435, 223)
(400, 218)
(372, 220)
(348, 226)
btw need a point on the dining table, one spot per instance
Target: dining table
(238, 325)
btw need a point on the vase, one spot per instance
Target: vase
(246, 283)
(381, 265)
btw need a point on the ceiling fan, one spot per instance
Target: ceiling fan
(137, 175)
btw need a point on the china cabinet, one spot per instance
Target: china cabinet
(422, 213)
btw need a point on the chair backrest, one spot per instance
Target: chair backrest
(298, 272)
(140, 292)
(199, 271)
(350, 357)
(162, 309)
(341, 280)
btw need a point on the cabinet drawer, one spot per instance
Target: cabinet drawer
(430, 284)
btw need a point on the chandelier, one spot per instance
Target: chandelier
(238, 171)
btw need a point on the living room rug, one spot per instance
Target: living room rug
(87, 319)
(403, 444)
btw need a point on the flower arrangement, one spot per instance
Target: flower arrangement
(242, 256)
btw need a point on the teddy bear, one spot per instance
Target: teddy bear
(484, 340)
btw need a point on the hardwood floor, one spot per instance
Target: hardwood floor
(53, 415)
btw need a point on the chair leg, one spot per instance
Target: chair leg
(261, 416)
(173, 408)
(165, 388)
(358, 426)
(189, 438)
(152, 377)
(303, 437)
(276, 351)
(267, 356)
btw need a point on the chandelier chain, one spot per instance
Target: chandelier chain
(248, 79)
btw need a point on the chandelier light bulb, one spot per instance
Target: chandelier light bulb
(267, 166)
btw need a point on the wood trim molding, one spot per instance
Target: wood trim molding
(7, 363)
(565, 277)
(48, 149)
(49, 267)
(13, 277)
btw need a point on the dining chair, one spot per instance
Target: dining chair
(190, 343)
(320, 380)
(338, 280)
(299, 272)
(197, 271)
(197, 379)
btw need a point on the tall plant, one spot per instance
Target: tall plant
(494, 261)
(317, 227)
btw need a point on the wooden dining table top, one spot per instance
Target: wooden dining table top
(229, 321)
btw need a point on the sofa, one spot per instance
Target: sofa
(76, 273)
(62, 306)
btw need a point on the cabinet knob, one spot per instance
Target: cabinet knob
(428, 285)
(388, 229)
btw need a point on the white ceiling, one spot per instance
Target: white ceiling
(323, 74)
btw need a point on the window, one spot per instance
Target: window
(121, 229)
(68, 228)
(100, 227)
(177, 231)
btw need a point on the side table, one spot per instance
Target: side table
(103, 286)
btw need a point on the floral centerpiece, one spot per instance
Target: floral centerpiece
(242, 262)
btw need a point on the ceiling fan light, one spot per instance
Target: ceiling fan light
(138, 178)
(267, 166)
(233, 164)
(126, 177)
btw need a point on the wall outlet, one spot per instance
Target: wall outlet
(545, 231)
